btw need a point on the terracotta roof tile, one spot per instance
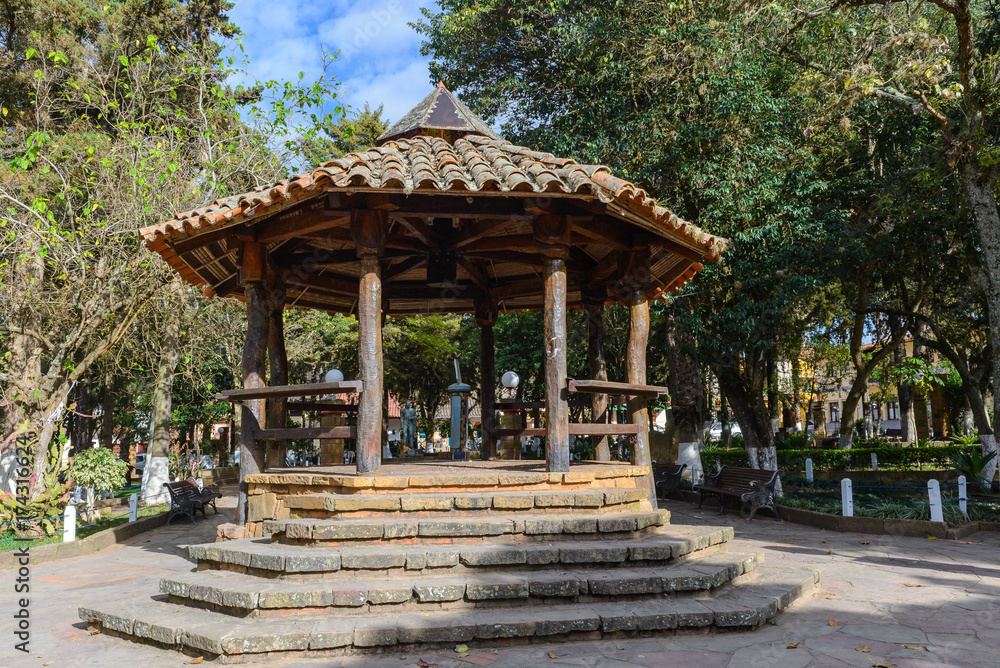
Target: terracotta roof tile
(474, 163)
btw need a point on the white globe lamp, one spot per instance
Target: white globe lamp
(334, 376)
(510, 380)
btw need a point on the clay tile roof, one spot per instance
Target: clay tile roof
(437, 112)
(432, 165)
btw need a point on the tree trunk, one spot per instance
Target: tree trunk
(157, 472)
(83, 423)
(687, 398)
(903, 391)
(278, 361)
(747, 402)
(795, 407)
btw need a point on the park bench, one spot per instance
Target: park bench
(668, 479)
(753, 487)
(187, 499)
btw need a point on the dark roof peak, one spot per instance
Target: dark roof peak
(440, 114)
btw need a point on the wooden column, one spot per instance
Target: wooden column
(486, 317)
(593, 302)
(278, 360)
(552, 236)
(254, 356)
(634, 276)
(369, 229)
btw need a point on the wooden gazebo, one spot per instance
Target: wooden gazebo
(442, 216)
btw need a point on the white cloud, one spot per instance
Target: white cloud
(380, 59)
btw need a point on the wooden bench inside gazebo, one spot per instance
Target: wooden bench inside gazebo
(442, 216)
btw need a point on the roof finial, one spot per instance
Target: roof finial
(440, 114)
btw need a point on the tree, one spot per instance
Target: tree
(677, 97)
(122, 118)
(936, 60)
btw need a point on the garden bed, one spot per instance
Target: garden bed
(9, 542)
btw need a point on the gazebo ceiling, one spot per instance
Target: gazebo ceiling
(471, 205)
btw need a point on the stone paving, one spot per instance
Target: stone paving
(883, 601)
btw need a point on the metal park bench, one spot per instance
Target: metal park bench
(753, 487)
(187, 499)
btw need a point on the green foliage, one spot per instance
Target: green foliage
(39, 510)
(98, 468)
(795, 441)
(856, 458)
(971, 463)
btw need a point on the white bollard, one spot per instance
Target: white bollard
(874, 462)
(133, 508)
(846, 498)
(934, 495)
(809, 469)
(69, 524)
(963, 496)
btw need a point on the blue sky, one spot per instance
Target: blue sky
(380, 60)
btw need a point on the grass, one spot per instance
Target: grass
(9, 541)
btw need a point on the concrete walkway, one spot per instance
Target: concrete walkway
(884, 601)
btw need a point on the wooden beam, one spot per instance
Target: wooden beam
(556, 409)
(479, 230)
(507, 242)
(369, 436)
(624, 389)
(404, 267)
(528, 405)
(475, 272)
(676, 248)
(635, 371)
(306, 390)
(254, 358)
(295, 433)
(594, 305)
(337, 284)
(313, 222)
(603, 232)
(200, 240)
(278, 361)
(421, 230)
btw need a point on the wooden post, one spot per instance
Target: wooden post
(635, 368)
(552, 235)
(369, 229)
(278, 359)
(486, 317)
(593, 302)
(254, 355)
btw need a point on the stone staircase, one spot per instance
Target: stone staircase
(347, 573)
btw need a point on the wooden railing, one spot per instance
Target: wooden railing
(306, 390)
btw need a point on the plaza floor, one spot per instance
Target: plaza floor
(883, 601)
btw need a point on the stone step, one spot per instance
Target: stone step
(747, 603)
(239, 594)
(534, 527)
(262, 557)
(466, 503)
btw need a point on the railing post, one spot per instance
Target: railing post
(963, 496)
(934, 496)
(846, 498)
(133, 508)
(874, 462)
(69, 524)
(809, 469)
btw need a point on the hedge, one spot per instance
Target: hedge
(857, 458)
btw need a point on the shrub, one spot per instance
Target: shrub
(844, 459)
(95, 469)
